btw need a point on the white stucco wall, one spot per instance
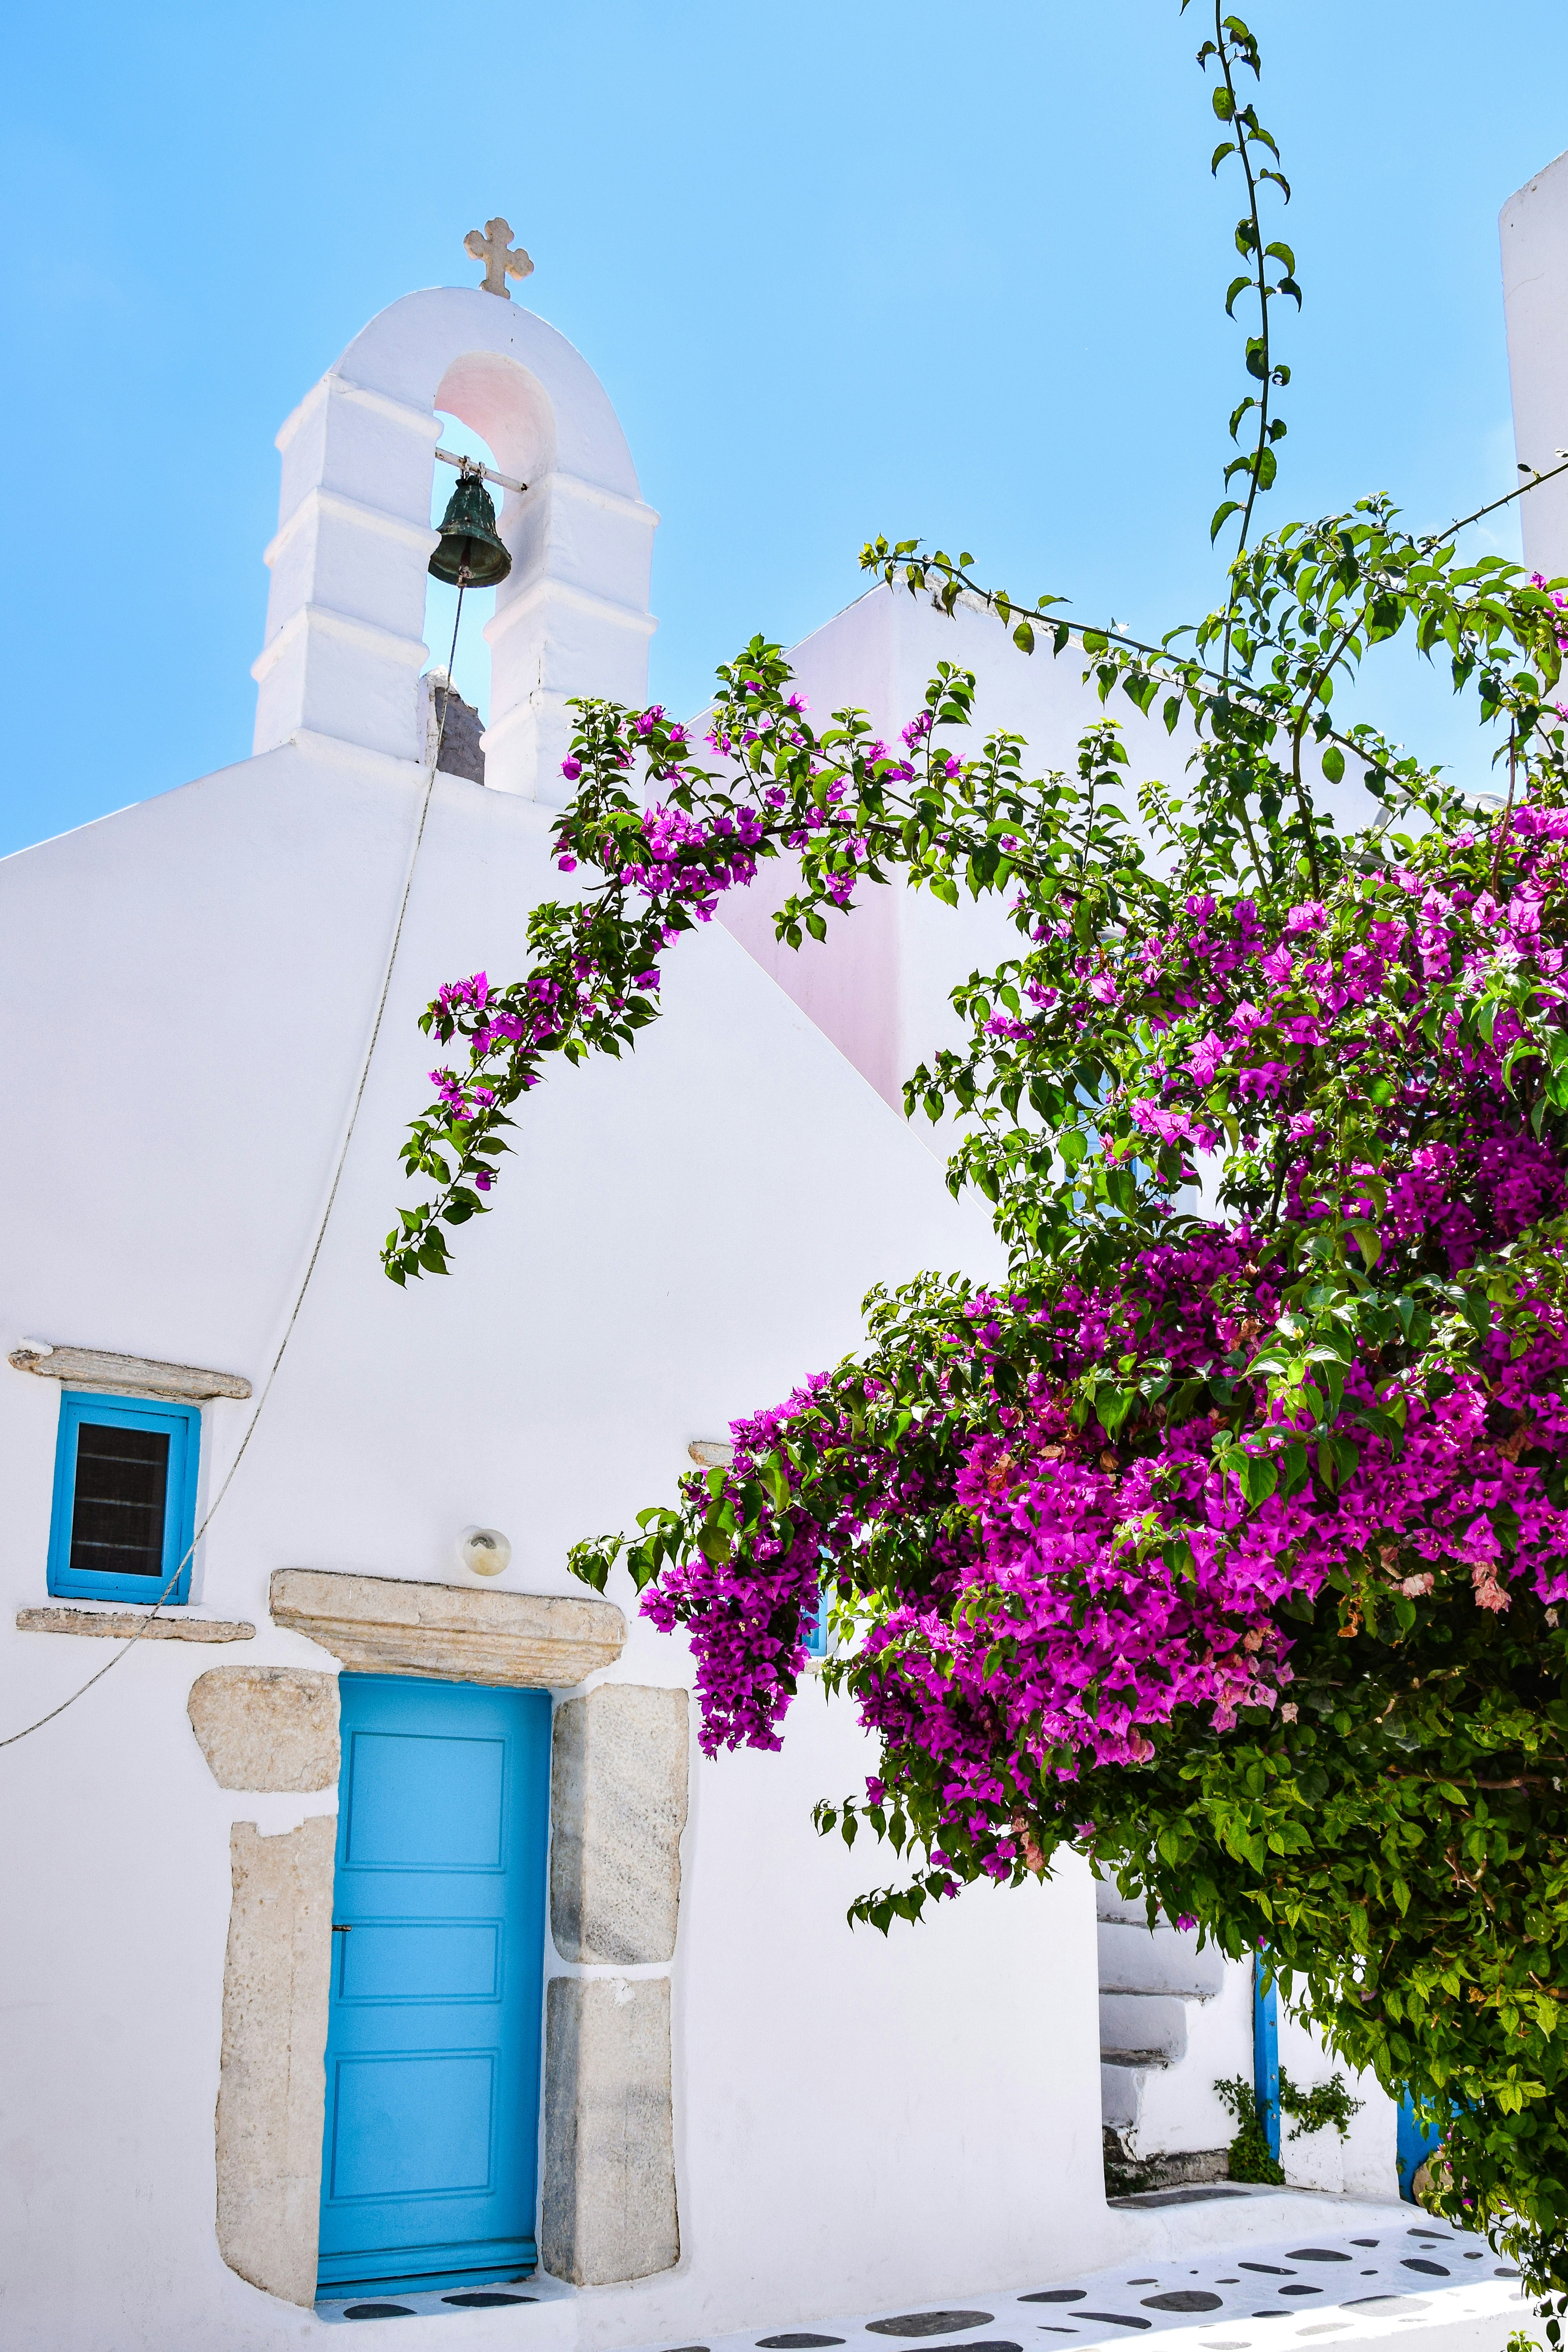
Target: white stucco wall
(878, 985)
(678, 1238)
(1534, 229)
(1363, 2163)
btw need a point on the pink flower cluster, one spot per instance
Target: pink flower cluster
(1081, 1591)
(748, 1625)
(1070, 1583)
(1385, 983)
(532, 1016)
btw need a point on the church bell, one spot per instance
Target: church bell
(470, 554)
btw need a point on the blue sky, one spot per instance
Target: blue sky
(950, 270)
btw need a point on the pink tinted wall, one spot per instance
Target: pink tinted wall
(847, 984)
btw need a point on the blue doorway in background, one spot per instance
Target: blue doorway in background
(429, 2160)
(1414, 2142)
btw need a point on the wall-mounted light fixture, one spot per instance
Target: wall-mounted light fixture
(485, 1550)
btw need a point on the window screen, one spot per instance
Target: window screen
(122, 1500)
(125, 1498)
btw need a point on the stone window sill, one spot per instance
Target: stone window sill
(114, 1624)
(99, 1368)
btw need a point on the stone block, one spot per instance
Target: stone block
(609, 2132)
(124, 1624)
(618, 1783)
(392, 1625)
(271, 2098)
(100, 1368)
(267, 1726)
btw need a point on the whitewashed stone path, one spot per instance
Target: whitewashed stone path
(1356, 2273)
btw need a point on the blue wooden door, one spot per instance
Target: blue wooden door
(429, 2160)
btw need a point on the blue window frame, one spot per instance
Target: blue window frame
(125, 1498)
(815, 1629)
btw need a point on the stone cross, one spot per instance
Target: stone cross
(501, 260)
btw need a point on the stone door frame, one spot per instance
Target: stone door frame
(619, 1773)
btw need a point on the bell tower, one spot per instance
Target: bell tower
(344, 644)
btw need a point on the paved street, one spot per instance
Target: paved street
(1357, 2272)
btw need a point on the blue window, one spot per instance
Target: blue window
(125, 1498)
(815, 1629)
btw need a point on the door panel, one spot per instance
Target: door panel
(426, 1800)
(421, 1960)
(414, 2127)
(429, 2160)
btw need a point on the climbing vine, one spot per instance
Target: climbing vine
(1250, 2156)
(1326, 2106)
(1226, 1541)
(1234, 49)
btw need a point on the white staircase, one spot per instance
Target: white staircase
(1173, 2018)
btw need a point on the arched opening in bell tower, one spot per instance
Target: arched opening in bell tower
(491, 410)
(456, 622)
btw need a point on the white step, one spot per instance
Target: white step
(1173, 2108)
(1173, 2017)
(1152, 2022)
(1134, 1958)
(1131, 1908)
(1122, 2084)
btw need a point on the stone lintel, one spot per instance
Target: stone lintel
(267, 1726)
(271, 2096)
(619, 1789)
(391, 1625)
(117, 1624)
(100, 1368)
(609, 2208)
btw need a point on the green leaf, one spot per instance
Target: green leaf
(713, 1544)
(1258, 1478)
(1112, 1406)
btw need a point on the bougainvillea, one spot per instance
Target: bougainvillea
(1226, 1540)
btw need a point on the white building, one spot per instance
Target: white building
(265, 2046)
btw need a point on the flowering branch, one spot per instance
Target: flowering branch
(1226, 1542)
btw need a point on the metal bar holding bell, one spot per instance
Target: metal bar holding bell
(450, 457)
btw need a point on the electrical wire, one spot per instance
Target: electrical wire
(12, 1738)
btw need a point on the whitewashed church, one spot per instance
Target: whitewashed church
(376, 1945)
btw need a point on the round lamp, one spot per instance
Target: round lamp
(484, 1549)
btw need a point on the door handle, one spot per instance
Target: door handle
(343, 1931)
